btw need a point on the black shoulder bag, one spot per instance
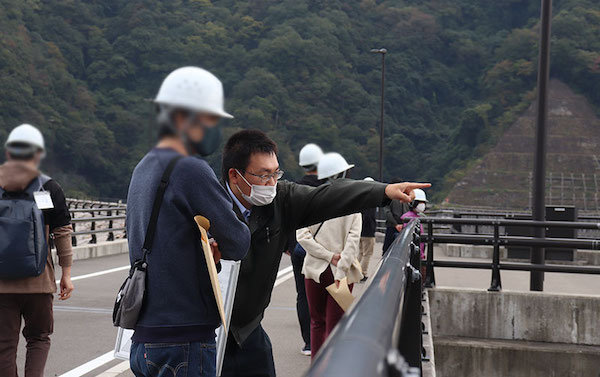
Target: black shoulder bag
(130, 297)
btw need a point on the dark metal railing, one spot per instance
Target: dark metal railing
(497, 240)
(381, 335)
(478, 228)
(99, 213)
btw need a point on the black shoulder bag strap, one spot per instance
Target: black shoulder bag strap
(158, 199)
(318, 229)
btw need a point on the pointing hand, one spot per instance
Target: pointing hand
(404, 191)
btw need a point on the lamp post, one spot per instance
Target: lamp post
(536, 282)
(381, 51)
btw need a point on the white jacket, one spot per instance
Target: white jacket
(340, 235)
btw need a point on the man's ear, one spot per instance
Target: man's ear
(233, 176)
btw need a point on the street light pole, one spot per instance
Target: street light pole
(538, 210)
(381, 51)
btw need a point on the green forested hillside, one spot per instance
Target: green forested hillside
(457, 73)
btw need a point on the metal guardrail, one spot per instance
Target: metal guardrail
(381, 335)
(497, 240)
(99, 212)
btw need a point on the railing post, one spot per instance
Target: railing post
(496, 282)
(73, 238)
(456, 228)
(93, 227)
(111, 235)
(411, 337)
(429, 275)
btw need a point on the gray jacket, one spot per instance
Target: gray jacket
(394, 212)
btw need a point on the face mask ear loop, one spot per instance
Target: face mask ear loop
(241, 175)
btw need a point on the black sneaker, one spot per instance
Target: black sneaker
(306, 350)
(363, 279)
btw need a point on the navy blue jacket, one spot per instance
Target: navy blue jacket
(179, 304)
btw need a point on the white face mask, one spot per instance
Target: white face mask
(259, 195)
(420, 208)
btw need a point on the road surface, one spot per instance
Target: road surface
(84, 336)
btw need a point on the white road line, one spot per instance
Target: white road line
(282, 276)
(117, 269)
(285, 271)
(99, 273)
(79, 309)
(90, 365)
(116, 370)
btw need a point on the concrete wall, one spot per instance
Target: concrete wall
(531, 316)
(502, 358)
(530, 334)
(100, 249)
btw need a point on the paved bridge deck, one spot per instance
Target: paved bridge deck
(84, 336)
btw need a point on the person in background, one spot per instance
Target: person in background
(331, 249)
(367, 237)
(176, 327)
(393, 219)
(417, 209)
(273, 209)
(309, 157)
(31, 297)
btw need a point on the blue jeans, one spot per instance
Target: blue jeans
(173, 359)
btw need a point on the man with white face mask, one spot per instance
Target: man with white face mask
(417, 209)
(273, 210)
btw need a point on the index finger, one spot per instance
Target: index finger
(414, 185)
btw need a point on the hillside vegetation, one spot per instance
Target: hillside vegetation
(457, 74)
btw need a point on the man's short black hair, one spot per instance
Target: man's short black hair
(241, 146)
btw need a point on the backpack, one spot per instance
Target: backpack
(23, 244)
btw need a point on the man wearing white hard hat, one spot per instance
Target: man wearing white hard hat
(30, 200)
(177, 322)
(417, 209)
(309, 157)
(331, 255)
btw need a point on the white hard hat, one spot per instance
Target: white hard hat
(369, 179)
(26, 134)
(194, 89)
(332, 164)
(310, 154)
(420, 196)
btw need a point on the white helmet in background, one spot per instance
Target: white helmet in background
(420, 196)
(25, 139)
(332, 164)
(310, 154)
(369, 179)
(194, 89)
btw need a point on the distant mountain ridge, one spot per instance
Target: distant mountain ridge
(502, 178)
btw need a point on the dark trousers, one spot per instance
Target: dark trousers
(193, 359)
(254, 358)
(325, 313)
(36, 310)
(390, 236)
(301, 301)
